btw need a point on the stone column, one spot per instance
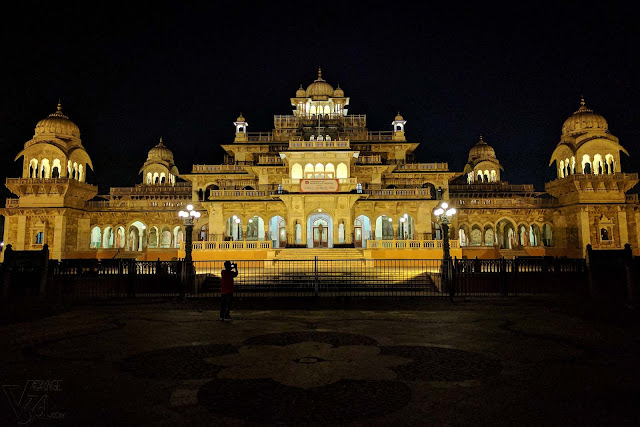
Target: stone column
(623, 229)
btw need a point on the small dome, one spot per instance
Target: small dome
(239, 119)
(57, 123)
(301, 93)
(338, 93)
(481, 150)
(160, 152)
(398, 118)
(583, 120)
(319, 88)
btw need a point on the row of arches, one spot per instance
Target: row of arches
(506, 235)
(320, 138)
(482, 176)
(319, 229)
(45, 168)
(136, 237)
(160, 178)
(599, 165)
(319, 171)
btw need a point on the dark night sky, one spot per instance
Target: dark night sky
(127, 77)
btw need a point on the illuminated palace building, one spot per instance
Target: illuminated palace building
(322, 181)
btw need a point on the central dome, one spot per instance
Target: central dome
(320, 89)
(583, 120)
(160, 152)
(57, 123)
(480, 150)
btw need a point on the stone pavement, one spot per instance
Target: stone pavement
(376, 362)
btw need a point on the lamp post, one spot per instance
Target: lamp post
(187, 268)
(444, 214)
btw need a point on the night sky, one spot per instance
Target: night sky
(127, 77)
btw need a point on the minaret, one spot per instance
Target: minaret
(241, 129)
(398, 128)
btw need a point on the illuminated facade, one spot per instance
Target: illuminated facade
(322, 181)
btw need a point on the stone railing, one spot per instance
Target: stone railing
(12, 203)
(400, 192)
(237, 193)
(270, 160)
(230, 244)
(423, 167)
(369, 160)
(410, 244)
(216, 168)
(307, 145)
(380, 136)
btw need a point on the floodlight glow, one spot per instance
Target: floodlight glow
(197, 214)
(319, 210)
(144, 227)
(390, 220)
(193, 213)
(234, 217)
(182, 214)
(439, 211)
(237, 220)
(451, 212)
(406, 215)
(402, 219)
(250, 221)
(189, 207)
(444, 205)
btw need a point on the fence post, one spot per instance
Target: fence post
(316, 285)
(131, 278)
(503, 277)
(514, 276)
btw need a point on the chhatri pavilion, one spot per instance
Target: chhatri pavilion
(322, 184)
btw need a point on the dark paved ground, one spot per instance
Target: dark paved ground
(481, 362)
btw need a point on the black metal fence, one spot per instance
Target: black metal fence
(88, 279)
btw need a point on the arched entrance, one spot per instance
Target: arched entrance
(361, 231)
(320, 231)
(278, 231)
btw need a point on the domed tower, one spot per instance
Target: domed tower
(241, 129)
(319, 100)
(52, 192)
(483, 166)
(398, 128)
(590, 186)
(586, 146)
(159, 169)
(55, 151)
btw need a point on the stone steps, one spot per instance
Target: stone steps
(322, 254)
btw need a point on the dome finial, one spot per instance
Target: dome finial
(160, 140)
(481, 137)
(319, 73)
(582, 103)
(59, 109)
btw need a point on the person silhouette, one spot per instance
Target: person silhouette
(226, 289)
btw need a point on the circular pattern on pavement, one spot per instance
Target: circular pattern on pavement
(179, 363)
(336, 339)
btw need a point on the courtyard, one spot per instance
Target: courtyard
(486, 361)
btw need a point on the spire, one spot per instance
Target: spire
(582, 103)
(59, 109)
(160, 141)
(319, 73)
(583, 106)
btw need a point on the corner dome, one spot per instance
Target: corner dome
(583, 120)
(239, 119)
(320, 89)
(301, 93)
(160, 152)
(57, 123)
(338, 93)
(399, 118)
(481, 150)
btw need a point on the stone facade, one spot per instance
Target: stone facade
(321, 179)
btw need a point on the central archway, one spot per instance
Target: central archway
(319, 231)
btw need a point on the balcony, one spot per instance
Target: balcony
(393, 193)
(369, 160)
(426, 167)
(270, 160)
(217, 169)
(313, 145)
(234, 194)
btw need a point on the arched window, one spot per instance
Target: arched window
(33, 168)
(56, 167)
(342, 171)
(149, 178)
(494, 176)
(608, 159)
(80, 173)
(480, 176)
(163, 178)
(96, 237)
(327, 138)
(573, 164)
(586, 164)
(75, 171)
(308, 171)
(561, 169)
(46, 170)
(330, 171)
(597, 164)
(312, 138)
(604, 234)
(156, 178)
(39, 238)
(296, 171)
(319, 171)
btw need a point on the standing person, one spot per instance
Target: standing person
(226, 289)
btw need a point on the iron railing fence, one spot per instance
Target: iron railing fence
(322, 277)
(90, 279)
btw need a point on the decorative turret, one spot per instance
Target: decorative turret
(483, 166)
(398, 128)
(159, 168)
(241, 129)
(586, 146)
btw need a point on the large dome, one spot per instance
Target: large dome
(583, 120)
(319, 88)
(481, 150)
(160, 152)
(57, 123)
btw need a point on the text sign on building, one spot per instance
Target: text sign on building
(319, 185)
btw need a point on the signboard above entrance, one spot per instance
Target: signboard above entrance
(319, 185)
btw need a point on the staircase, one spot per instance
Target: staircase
(321, 253)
